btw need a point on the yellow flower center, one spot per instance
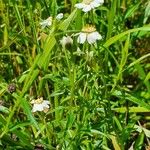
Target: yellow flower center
(87, 2)
(37, 101)
(88, 29)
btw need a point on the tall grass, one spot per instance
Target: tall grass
(98, 93)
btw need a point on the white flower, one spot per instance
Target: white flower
(40, 105)
(59, 16)
(66, 42)
(47, 22)
(90, 34)
(88, 5)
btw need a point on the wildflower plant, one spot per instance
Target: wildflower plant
(85, 68)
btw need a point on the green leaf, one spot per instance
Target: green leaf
(142, 75)
(122, 63)
(133, 99)
(147, 77)
(111, 16)
(23, 138)
(131, 110)
(26, 107)
(138, 60)
(30, 78)
(115, 38)
(20, 125)
(44, 59)
(131, 10)
(115, 142)
(65, 24)
(139, 142)
(147, 12)
(4, 109)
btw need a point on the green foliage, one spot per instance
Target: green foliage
(98, 93)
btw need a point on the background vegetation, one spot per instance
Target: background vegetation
(99, 95)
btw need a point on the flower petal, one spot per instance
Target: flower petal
(79, 5)
(94, 4)
(81, 38)
(99, 1)
(47, 22)
(91, 38)
(37, 107)
(43, 24)
(45, 103)
(97, 35)
(86, 8)
(59, 16)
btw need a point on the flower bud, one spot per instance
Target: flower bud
(59, 16)
(66, 42)
(11, 87)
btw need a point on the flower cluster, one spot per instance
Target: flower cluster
(40, 105)
(88, 32)
(88, 5)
